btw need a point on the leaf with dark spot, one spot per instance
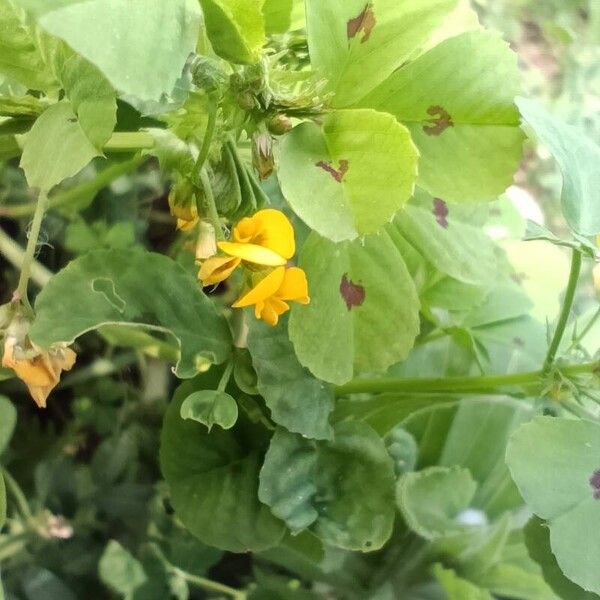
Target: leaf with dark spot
(352, 293)
(364, 22)
(337, 174)
(440, 121)
(595, 483)
(440, 211)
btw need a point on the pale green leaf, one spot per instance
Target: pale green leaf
(56, 148)
(364, 310)
(119, 570)
(236, 28)
(277, 15)
(349, 176)
(298, 401)
(457, 100)
(141, 47)
(213, 478)
(431, 500)
(132, 288)
(342, 490)
(2, 501)
(556, 465)
(457, 588)
(8, 420)
(577, 156)
(210, 408)
(357, 44)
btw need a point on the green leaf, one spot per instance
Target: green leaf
(132, 288)
(2, 501)
(92, 97)
(567, 495)
(577, 157)
(537, 538)
(277, 15)
(297, 401)
(401, 446)
(236, 28)
(462, 251)
(345, 330)
(457, 588)
(357, 44)
(20, 58)
(119, 570)
(457, 100)
(56, 148)
(210, 408)
(349, 176)
(342, 489)
(432, 499)
(141, 47)
(213, 478)
(42, 584)
(8, 420)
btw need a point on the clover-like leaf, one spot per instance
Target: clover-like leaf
(132, 288)
(556, 466)
(349, 176)
(210, 407)
(342, 489)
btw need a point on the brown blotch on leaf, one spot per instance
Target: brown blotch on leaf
(440, 121)
(337, 174)
(519, 278)
(364, 23)
(595, 483)
(352, 293)
(440, 211)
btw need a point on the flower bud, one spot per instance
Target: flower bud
(280, 124)
(262, 154)
(207, 241)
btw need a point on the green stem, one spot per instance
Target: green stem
(211, 206)
(210, 586)
(206, 142)
(34, 233)
(456, 385)
(577, 341)
(225, 377)
(17, 493)
(14, 254)
(129, 141)
(565, 312)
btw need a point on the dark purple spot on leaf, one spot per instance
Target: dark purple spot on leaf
(440, 211)
(595, 483)
(364, 23)
(352, 293)
(337, 174)
(440, 121)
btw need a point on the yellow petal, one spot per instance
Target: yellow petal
(264, 289)
(268, 314)
(253, 253)
(185, 225)
(294, 286)
(217, 269)
(270, 229)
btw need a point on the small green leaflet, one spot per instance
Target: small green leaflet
(236, 28)
(342, 490)
(119, 570)
(210, 408)
(140, 46)
(132, 288)
(357, 290)
(56, 147)
(578, 158)
(556, 466)
(457, 100)
(350, 176)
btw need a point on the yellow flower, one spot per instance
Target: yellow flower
(265, 239)
(272, 293)
(40, 370)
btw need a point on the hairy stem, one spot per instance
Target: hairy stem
(34, 234)
(565, 312)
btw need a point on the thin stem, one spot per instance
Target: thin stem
(17, 493)
(129, 141)
(225, 377)
(577, 341)
(211, 586)
(34, 233)
(211, 206)
(456, 385)
(565, 312)
(206, 142)
(14, 254)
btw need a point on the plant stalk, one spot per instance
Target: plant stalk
(565, 312)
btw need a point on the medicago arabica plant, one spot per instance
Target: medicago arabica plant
(372, 402)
